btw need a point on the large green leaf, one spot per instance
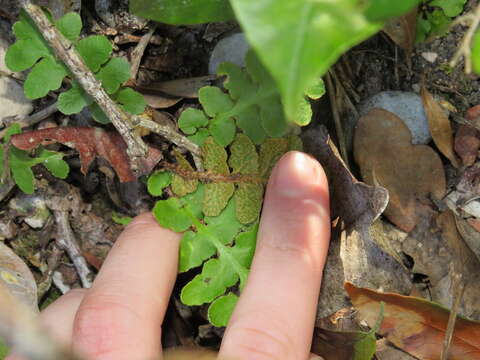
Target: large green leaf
(299, 40)
(182, 12)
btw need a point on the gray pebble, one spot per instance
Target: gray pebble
(232, 48)
(407, 106)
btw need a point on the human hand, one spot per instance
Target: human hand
(120, 317)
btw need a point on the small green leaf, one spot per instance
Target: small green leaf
(270, 152)
(13, 129)
(113, 74)
(223, 130)
(70, 25)
(132, 101)
(47, 75)
(216, 194)
(220, 311)
(73, 100)
(158, 181)
(214, 100)
(171, 215)
(476, 52)
(237, 82)
(54, 163)
(317, 90)
(29, 47)
(380, 10)
(21, 55)
(217, 275)
(98, 114)
(248, 199)
(95, 51)
(23, 177)
(273, 120)
(122, 220)
(250, 122)
(243, 156)
(182, 186)
(191, 119)
(451, 8)
(199, 137)
(194, 250)
(182, 12)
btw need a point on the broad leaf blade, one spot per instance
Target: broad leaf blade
(182, 12)
(286, 35)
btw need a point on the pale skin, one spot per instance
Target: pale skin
(120, 317)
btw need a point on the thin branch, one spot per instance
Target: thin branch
(66, 241)
(464, 50)
(137, 53)
(28, 120)
(20, 328)
(167, 132)
(66, 52)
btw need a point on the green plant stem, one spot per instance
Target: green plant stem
(202, 229)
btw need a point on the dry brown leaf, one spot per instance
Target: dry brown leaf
(412, 174)
(185, 88)
(439, 125)
(467, 144)
(402, 31)
(157, 101)
(416, 325)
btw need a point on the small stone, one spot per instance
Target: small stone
(430, 56)
(12, 99)
(232, 49)
(407, 106)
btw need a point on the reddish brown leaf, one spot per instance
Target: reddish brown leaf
(473, 113)
(412, 174)
(439, 126)
(467, 144)
(416, 325)
(90, 143)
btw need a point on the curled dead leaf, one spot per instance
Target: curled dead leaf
(439, 125)
(412, 174)
(90, 143)
(416, 325)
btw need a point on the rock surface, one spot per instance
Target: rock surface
(407, 106)
(232, 48)
(12, 98)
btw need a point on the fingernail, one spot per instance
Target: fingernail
(295, 174)
(315, 357)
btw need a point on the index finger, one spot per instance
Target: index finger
(121, 315)
(275, 314)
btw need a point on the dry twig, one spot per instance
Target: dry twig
(66, 241)
(464, 50)
(66, 52)
(332, 94)
(28, 120)
(168, 133)
(137, 53)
